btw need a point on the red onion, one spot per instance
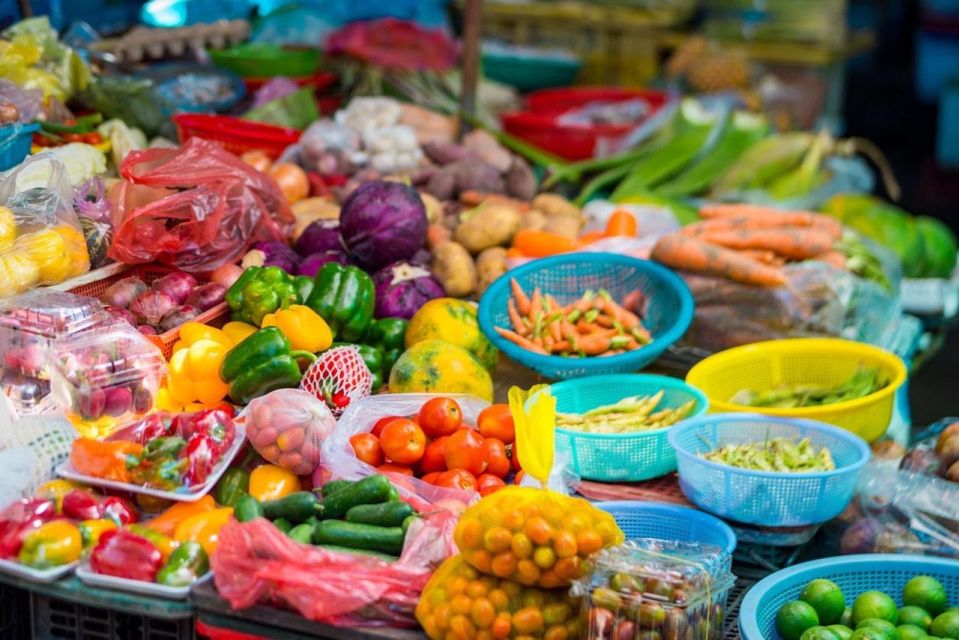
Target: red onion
(121, 315)
(177, 285)
(178, 316)
(206, 296)
(123, 292)
(226, 275)
(150, 307)
(146, 330)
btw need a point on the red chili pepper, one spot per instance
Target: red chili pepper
(19, 519)
(81, 505)
(119, 510)
(126, 555)
(201, 453)
(216, 423)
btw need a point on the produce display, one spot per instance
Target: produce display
(942, 459)
(865, 381)
(823, 612)
(167, 303)
(783, 455)
(634, 413)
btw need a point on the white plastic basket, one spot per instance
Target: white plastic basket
(31, 448)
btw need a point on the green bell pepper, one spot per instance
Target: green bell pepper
(260, 291)
(344, 297)
(234, 483)
(261, 363)
(304, 287)
(187, 563)
(389, 335)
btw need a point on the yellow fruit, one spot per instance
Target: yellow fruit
(76, 249)
(8, 228)
(453, 321)
(48, 250)
(17, 273)
(434, 366)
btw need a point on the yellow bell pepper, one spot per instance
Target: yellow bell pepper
(163, 542)
(239, 331)
(204, 528)
(194, 371)
(270, 482)
(167, 522)
(302, 326)
(55, 490)
(51, 545)
(91, 530)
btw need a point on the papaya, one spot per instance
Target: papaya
(453, 321)
(435, 366)
(939, 247)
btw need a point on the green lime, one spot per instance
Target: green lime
(915, 616)
(910, 632)
(846, 618)
(874, 604)
(946, 625)
(868, 633)
(826, 598)
(818, 633)
(885, 626)
(925, 592)
(794, 618)
(842, 631)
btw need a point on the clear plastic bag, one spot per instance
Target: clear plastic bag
(40, 237)
(287, 427)
(257, 563)
(196, 207)
(29, 102)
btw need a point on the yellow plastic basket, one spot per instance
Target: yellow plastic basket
(825, 361)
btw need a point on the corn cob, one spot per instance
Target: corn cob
(764, 161)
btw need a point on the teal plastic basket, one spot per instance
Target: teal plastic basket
(567, 277)
(528, 73)
(621, 457)
(855, 574)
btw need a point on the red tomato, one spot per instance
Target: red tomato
(488, 483)
(431, 477)
(518, 478)
(402, 441)
(396, 468)
(366, 446)
(514, 459)
(497, 462)
(440, 417)
(433, 459)
(497, 422)
(382, 422)
(456, 479)
(464, 450)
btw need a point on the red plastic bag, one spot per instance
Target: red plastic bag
(255, 562)
(195, 207)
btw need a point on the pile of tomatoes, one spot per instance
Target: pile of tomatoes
(436, 446)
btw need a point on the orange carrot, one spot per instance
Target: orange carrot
(514, 253)
(535, 304)
(691, 254)
(760, 215)
(794, 243)
(555, 330)
(833, 259)
(605, 321)
(594, 344)
(517, 321)
(539, 244)
(520, 341)
(620, 223)
(589, 237)
(618, 313)
(522, 300)
(764, 256)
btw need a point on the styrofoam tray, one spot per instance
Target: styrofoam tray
(14, 568)
(88, 576)
(67, 471)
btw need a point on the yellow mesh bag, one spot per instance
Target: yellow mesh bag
(460, 603)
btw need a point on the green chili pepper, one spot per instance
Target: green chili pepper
(344, 297)
(187, 563)
(234, 483)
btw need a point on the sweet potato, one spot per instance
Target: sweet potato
(488, 225)
(442, 184)
(485, 147)
(490, 264)
(520, 181)
(445, 153)
(454, 268)
(478, 176)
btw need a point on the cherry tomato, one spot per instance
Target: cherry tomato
(518, 478)
(433, 459)
(366, 446)
(514, 459)
(456, 479)
(488, 483)
(402, 441)
(497, 422)
(396, 468)
(430, 478)
(382, 422)
(497, 462)
(464, 450)
(440, 417)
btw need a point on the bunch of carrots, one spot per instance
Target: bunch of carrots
(536, 243)
(593, 325)
(750, 244)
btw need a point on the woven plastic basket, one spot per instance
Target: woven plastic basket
(763, 498)
(567, 277)
(670, 522)
(628, 457)
(854, 575)
(15, 142)
(825, 361)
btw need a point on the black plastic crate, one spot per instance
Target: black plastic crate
(733, 602)
(56, 619)
(14, 612)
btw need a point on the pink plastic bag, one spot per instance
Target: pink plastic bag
(195, 207)
(255, 562)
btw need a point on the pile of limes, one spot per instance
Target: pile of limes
(821, 613)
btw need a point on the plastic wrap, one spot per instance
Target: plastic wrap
(330, 148)
(40, 238)
(197, 207)
(35, 59)
(287, 427)
(29, 102)
(256, 563)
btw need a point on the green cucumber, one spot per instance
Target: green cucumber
(334, 485)
(360, 552)
(370, 490)
(296, 507)
(360, 536)
(407, 522)
(301, 533)
(247, 508)
(388, 514)
(283, 525)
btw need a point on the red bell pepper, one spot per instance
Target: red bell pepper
(119, 510)
(81, 505)
(19, 519)
(201, 453)
(126, 555)
(216, 423)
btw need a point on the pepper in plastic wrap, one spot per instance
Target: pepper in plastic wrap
(195, 207)
(19, 519)
(126, 555)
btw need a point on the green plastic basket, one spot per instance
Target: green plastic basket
(528, 73)
(254, 60)
(628, 457)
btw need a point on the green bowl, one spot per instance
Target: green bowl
(254, 60)
(529, 73)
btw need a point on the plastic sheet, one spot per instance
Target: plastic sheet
(197, 207)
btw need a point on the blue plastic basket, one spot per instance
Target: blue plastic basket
(15, 141)
(620, 457)
(766, 498)
(567, 277)
(670, 522)
(854, 575)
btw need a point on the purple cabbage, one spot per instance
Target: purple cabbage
(402, 288)
(313, 262)
(90, 201)
(272, 253)
(383, 222)
(319, 235)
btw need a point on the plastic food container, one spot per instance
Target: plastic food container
(88, 576)
(29, 325)
(656, 589)
(43, 576)
(103, 378)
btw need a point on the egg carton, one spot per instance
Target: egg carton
(143, 43)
